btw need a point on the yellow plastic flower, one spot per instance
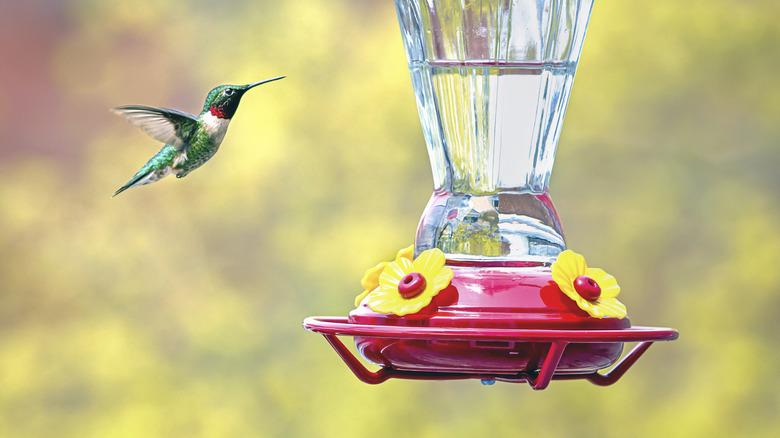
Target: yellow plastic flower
(407, 253)
(594, 290)
(407, 286)
(370, 280)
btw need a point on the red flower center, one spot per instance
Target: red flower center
(411, 285)
(587, 288)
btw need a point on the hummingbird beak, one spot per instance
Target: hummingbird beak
(254, 84)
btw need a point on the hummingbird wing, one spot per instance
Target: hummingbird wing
(166, 125)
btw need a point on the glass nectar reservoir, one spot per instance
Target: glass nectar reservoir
(492, 80)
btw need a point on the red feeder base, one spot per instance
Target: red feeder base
(507, 322)
(542, 351)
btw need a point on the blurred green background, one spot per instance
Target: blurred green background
(175, 309)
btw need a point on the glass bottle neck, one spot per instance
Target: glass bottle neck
(503, 226)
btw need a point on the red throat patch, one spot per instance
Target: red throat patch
(217, 112)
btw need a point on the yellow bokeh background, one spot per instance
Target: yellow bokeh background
(175, 310)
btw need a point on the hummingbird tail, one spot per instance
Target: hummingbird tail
(156, 168)
(135, 180)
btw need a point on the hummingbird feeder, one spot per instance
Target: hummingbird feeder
(489, 290)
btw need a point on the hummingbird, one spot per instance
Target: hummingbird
(190, 140)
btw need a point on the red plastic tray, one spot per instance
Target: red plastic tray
(555, 340)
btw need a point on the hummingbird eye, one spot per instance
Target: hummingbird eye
(229, 92)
